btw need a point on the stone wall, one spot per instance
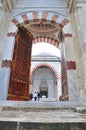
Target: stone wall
(81, 18)
(4, 23)
(77, 11)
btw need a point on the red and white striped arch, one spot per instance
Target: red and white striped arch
(45, 16)
(26, 18)
(40, 15)
(57, 75)
(46, 39)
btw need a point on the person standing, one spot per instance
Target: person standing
(38, 95)
(31, 96)
(35, 96)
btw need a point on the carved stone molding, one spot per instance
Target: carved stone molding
(71, 5)
(8, 5)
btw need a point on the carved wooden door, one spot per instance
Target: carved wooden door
(20, 69)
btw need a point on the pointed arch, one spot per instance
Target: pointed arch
(46, 39)
(58, 76)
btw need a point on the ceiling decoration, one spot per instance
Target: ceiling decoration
(42, 28)
(42, 24)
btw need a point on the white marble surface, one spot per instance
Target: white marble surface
(29, 5)
(73, 87)
(9, 47)
(4, 82)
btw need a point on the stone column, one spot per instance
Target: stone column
(77, 13)
(73, 88)
(80, 18)
(6, 62)
(59, 89)
(4, 22)
(64, 96)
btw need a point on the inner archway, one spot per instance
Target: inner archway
(44, 81)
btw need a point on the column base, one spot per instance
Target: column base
(83, 97)
(64, 97)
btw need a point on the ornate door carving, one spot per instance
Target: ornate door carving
(20, 69)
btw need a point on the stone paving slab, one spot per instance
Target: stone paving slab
(49, 112)
(39, 104)
(51, 116)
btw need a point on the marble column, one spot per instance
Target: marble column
(73, 87)
(6, 62)
(80, 19)
(64, 96)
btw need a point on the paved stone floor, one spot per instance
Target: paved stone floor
(53, 114)
(48, 116)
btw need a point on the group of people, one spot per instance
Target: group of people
(35, 96)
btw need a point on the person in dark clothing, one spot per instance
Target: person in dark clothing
(31, 96)
(38, 95)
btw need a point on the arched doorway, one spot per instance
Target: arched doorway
(44, 80)
(44, 29)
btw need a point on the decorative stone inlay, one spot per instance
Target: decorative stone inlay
(54, 18)
(43, 16)
(6, 63)
(13, 34)
(52, 41)
(35, 16)
(67, 35)
(15, 21)
(64, 22)
(25, 18)
(71, 65)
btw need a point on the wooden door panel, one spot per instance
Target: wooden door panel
(20, 70)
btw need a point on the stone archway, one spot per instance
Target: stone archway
(46, 17)
(47, 65)
(44, 78)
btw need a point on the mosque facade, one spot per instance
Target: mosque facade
(60, 23)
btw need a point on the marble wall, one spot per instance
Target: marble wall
(4, 22)
(75, 46)
(78, 17)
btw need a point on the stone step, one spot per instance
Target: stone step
(36, 105)
(7, 125)
(40, 104)
(33, 109)
(41, 115)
